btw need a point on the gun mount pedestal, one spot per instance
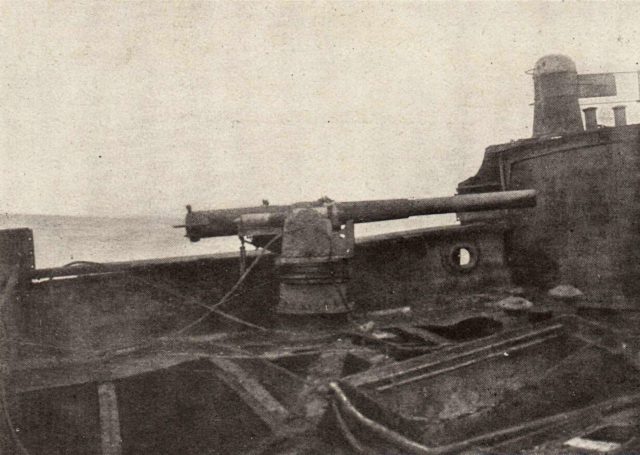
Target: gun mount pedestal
(314, 264)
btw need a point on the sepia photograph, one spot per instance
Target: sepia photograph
(319, 227)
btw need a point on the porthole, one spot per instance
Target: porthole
(461, 258)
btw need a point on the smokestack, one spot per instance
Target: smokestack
(620, 115)
(590, 120)
(556, 109)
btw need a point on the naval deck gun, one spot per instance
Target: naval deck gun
(317, 238)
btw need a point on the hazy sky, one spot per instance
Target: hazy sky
(125, 108)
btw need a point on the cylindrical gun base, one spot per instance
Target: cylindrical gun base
(313, 299)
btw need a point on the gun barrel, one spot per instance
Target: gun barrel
(390, 209)
(218, 223)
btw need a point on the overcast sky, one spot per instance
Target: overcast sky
(126, 108)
